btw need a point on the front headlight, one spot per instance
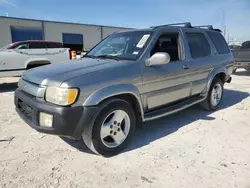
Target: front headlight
(61, 96)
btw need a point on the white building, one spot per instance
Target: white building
(69, 34)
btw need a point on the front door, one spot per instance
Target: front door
(164, 84)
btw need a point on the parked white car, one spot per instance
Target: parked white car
(20, 56)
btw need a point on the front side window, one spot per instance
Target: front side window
(198, 45)
(22, 46)
(126, 45)
(219, 42)
(168, 43)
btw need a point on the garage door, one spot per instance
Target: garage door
(69, 38)
(24, 33)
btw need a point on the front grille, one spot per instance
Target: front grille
(25, 109)
(31, 88)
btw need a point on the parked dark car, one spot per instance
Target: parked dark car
(242, 56)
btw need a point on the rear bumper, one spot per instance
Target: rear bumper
(67, 121)
(242, 64)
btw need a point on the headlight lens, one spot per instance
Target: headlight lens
(61, 96)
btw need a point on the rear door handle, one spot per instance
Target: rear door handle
(185, 67)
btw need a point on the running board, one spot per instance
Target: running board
(172, 109)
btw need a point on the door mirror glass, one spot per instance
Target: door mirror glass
(159, 58)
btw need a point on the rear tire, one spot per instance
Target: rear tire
(112, 129)
(214, 96)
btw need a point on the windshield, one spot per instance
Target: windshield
(6, 47)
(126, 45)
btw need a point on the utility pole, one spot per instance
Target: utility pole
(223, 24)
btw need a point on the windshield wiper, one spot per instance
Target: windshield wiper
(89, 56)
(109, 57)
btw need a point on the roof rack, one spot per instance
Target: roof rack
(185, 24)
(188, 25)
(204, 26)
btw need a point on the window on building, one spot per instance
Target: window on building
(73, 41)
(198, 45)
(37, 45)
(168, 43)
(219, 42)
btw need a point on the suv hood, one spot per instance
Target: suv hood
(55, 75)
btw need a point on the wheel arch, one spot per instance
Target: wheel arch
(40, 61)
(126, 92)
(220, 72)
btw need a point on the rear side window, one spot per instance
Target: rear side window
(219, 42)
(52, 45)
(198, 45)
(37, 45)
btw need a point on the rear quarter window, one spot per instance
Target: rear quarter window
(198, 45)
(219, 42)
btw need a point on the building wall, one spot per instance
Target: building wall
(91, 34)
(5, 31)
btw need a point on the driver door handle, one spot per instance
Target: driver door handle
(185, 67)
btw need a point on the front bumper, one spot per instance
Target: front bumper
(67, 121)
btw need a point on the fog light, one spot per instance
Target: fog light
(45, 120)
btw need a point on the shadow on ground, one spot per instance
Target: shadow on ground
(157, 129)
(8, 87)
(242, 73)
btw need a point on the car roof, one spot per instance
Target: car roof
(43, 41)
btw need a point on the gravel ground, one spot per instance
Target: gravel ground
(192, 148)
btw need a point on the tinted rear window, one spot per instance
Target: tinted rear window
(219, 42)
(198, 45)
(52, 45)
(37, 45)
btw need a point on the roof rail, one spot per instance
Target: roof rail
(204, 26)
(185, 24)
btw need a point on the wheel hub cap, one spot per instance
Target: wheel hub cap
(216, 95)
(115, 128)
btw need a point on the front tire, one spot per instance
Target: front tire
(214, 96)
(112, 129)
(234, 70)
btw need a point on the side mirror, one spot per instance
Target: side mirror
(159, 58)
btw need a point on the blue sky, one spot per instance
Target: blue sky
(137, 13)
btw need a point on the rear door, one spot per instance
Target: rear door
(199, 53)
(56, 53)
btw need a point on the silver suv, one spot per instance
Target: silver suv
(128, 78)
